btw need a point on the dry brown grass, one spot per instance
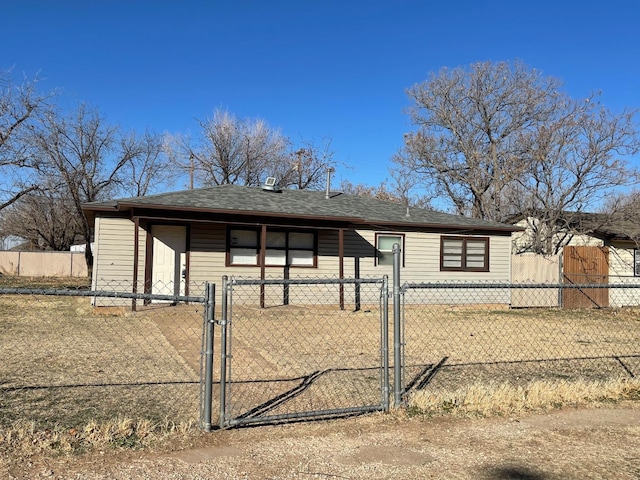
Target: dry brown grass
(63, 363)
(8, 281)
(506, 399)
(25, 438)
(67, 370)
(487, 335)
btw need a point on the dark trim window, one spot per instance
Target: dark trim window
(464, 254)
(636, 262)
(384, 247)
(283, 248)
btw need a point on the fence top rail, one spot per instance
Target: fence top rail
(99, 293)
(471, 286)
(307, 281)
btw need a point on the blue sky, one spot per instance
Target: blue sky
(313, 69)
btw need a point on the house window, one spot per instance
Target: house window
(464, 254)
(243, 247)
(282, 248)
(636, 262)
(384, 247)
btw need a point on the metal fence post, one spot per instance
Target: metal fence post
(385, 343)
(223, 351)
(397, 337)
(208, 355)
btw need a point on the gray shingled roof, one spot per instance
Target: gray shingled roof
(295, 203)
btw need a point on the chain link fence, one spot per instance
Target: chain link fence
(289, 349)
(66, 362)
(456, 335)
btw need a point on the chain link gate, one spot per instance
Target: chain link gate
(299, 348)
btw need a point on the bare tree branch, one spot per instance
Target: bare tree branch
(232, 151)
(500, 139)
(85, 157)
(307, 166)
(20, 106)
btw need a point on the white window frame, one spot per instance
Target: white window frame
(383, 253)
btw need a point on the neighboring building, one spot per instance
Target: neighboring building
(10, 242)
(174, 242)
(570, 228)
(595, 248)
(80, 247)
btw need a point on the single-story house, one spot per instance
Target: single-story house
(175, 242)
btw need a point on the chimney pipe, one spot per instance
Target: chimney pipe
(329, 171)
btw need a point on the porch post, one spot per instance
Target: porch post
(148, 260)
(341, 265)
(263, 256)
(136, 259)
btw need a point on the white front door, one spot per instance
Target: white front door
(169, 259)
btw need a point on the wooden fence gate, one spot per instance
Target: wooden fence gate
(584, 265)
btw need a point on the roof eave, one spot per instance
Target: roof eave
(355, 221)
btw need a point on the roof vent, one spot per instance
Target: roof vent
(269, 184)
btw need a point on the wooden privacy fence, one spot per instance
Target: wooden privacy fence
(535, 269)
(584, 265)
(43, 264)
(577, 266)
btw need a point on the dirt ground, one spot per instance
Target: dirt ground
(569, 444)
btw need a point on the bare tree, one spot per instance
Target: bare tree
(306, 166)
(19, 106)
(380, 192)
(150, 169)
(86, 157)
(397, 193)
(467, 148)
(45, 220)
(403, 187)
(622, 212)
(500, 139)
(573, 167)
(233, 151)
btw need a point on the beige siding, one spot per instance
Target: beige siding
(10, 263)
(584, 241)
(621, 261)
(422, 260)
(206, 257)
(621, 271)
(422, 263)
(113, 264)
